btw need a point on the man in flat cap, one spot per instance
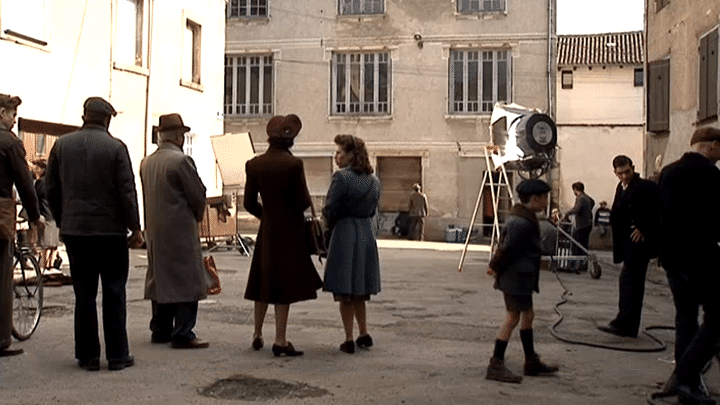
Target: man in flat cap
(174, 199)
(91, 192)
(516, 266)
(13, 170)
(689, 253)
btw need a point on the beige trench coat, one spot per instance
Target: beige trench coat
(174, 199)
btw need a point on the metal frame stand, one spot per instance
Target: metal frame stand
(503, 182)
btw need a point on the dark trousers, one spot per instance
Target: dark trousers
(417, 228)
(631, 294)
(581, 235)
(695, 344)
(104, 258)
(174, 321)
(6, 293)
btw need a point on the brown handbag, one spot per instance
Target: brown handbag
(315, 235)
(213, 276)
(8, 217)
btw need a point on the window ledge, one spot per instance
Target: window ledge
(482, 117)
(21, 39)
(712, 118)
(191, 85)
(481, 15)
(363, 118)
(235, 21)
(138, 70)
(246, 118)
(361, 18)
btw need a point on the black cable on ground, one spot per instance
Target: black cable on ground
(563, 299)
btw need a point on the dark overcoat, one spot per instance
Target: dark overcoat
(353, 265)
(638, 207)
(282, 271)
(517, 257)
(690, 218)
(13, 170)
(174, 197)
(101, 202)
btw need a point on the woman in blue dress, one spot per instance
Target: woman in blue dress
(352, 270)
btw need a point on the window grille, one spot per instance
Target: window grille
(478, 80)
(249, 85)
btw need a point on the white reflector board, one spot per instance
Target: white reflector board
(232, 151)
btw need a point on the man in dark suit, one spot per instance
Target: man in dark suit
(689, 252)
(13, 170)
(91, 191)
(634, 220)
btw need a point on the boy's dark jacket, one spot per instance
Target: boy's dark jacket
(517, 258)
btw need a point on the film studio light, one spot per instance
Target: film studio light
(526, 138)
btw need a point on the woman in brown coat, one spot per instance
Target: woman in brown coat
(282, 271)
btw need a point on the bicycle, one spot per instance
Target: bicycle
(28, 292)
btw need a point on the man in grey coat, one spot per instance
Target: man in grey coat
(91, 192)
(174, 198)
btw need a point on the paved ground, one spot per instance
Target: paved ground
(433, 327)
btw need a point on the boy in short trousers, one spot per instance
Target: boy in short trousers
(516, 267)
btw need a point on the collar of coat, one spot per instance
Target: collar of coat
(169, 145)
(523, 211)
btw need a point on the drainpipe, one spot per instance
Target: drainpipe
(148, 113)
(550, 84)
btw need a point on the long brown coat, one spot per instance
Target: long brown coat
(174, 204)
(282, 271)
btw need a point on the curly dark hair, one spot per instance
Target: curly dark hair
(356, 152)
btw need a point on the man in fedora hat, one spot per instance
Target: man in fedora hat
(13, 170)
(91, 192)
(174, 199)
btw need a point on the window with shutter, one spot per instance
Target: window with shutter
(658, 101)
(707, 79)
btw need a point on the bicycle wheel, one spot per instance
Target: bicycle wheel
(28, 291)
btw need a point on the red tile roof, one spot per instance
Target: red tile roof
(616, 48)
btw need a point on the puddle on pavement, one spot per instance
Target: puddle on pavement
(249, 388)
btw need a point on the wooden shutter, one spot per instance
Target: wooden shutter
(712, 74)
(703, 85)
(658, 102)
(707, 79)
(397, 176)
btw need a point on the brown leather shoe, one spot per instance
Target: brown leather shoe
(534, 367)
(7, 352)
(190, 344)
(496, 371)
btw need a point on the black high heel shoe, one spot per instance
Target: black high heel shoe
(287, 350)
(364, 341)
(257, 343)
(348, 347)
